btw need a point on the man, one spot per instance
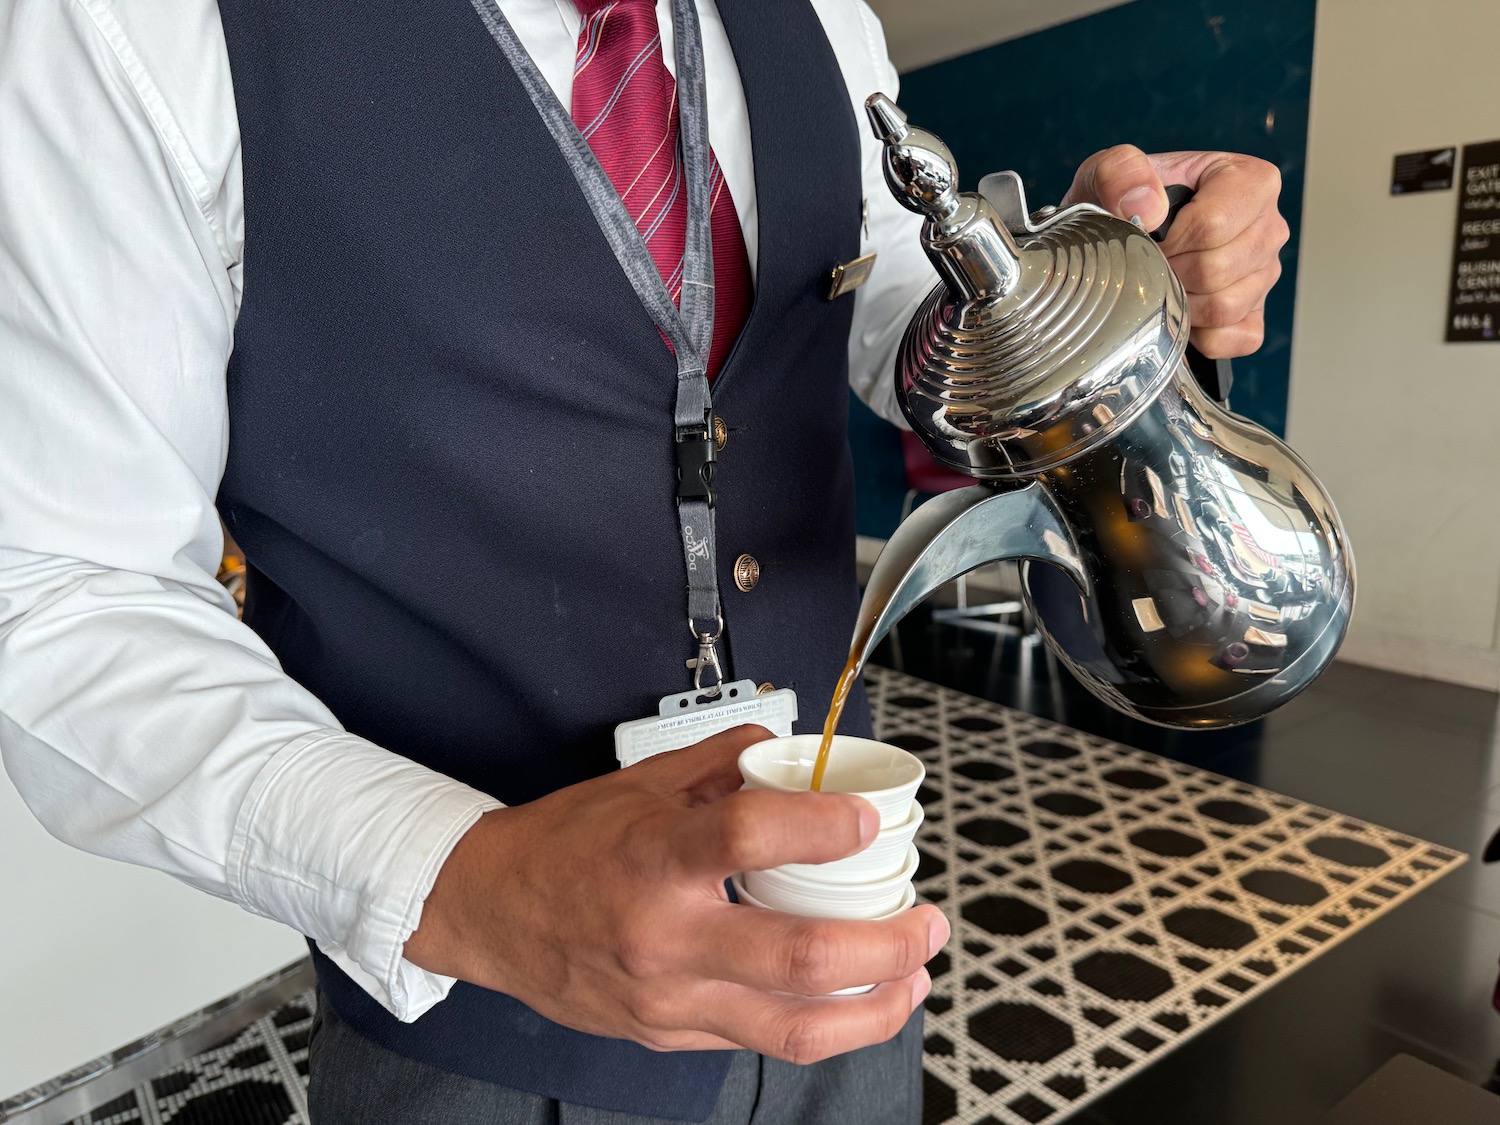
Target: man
(445, 439)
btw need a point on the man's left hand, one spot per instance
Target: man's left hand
(1224, 245)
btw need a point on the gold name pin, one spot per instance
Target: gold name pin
(846, 277)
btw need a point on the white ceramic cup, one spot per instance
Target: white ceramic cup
(780, 889)
(908, 900)
(884, 857)
(886, 776)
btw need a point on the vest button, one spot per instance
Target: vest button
(746, 573)
(721, 434)
(766, 688)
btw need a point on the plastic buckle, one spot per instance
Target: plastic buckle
(696, 456)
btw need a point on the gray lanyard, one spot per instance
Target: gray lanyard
(689, 328)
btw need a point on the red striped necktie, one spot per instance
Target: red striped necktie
(625, 104)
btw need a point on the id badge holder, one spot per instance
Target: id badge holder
(683, 720)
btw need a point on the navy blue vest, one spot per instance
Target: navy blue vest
(450, 457)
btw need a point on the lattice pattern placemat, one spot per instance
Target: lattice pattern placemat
(1108, 903)
(258, 1077)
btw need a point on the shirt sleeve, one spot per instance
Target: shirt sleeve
(139, 718)
(902, 277)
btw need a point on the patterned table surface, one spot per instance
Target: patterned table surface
(1107, 904)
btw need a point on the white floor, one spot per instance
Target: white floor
(94, 954)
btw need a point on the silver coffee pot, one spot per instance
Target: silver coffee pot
(1195, 572)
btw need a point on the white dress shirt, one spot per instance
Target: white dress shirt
(138, 717)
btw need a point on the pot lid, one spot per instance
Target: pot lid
(1049, 333)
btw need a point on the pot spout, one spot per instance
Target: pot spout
(949, 536)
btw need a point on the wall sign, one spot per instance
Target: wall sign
(1474, 296)
(1429, 170)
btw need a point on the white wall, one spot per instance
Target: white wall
(1404, 429)
(94, 954)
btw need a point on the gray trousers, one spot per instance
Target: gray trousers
(353, 1081)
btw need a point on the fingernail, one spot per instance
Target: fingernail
(869, 823)
(920, 987)
(937, 937)
(1142, 202)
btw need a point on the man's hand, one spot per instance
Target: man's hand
(602, 906)
(1224, 244)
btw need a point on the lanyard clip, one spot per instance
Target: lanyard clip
(696, 455)
(708, 657)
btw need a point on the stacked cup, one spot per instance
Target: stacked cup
(871, 884)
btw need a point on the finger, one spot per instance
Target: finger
(1228, 307)
(1233, 192)
(707, 767)
(1123, 181)
(802, 1031)
(776, 952)
(1256, 247)
(686, 1041)
(1231, 343)
(757, 828)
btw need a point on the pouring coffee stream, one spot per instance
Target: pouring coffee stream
(1183, 563)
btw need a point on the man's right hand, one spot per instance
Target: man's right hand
(602, 907)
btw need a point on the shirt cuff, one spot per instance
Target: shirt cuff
(343, 840)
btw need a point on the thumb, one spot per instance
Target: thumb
(702, 772)
(1124, 182)
(759, 828)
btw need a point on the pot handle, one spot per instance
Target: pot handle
(1215, 376)
(1178, 197)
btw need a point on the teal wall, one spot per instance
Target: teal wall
(1162, 74)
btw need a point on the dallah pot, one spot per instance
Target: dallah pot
(1183, 563)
